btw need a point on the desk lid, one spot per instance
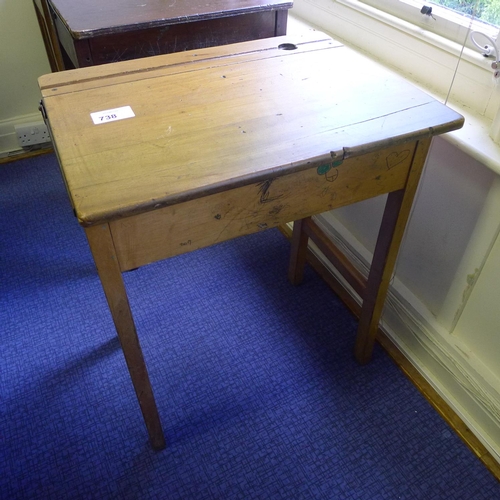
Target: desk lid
(224, 116)
(88, 18)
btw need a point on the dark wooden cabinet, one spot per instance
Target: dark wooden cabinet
(79, 33)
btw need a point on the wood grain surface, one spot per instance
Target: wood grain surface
(233, 115)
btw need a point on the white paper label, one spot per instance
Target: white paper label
(111, 115)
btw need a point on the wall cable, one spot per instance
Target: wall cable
(469, 32)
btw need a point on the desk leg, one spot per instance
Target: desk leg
(49, 35)
(396, 214)
(103, 251)
(298, 252)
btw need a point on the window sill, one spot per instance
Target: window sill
(421, 57)
(474, 139)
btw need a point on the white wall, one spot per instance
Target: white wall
(453, 189)
(22, 61)
(479, 325)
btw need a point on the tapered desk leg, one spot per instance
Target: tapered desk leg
(103, 250)
(396, 214)
(298, 252)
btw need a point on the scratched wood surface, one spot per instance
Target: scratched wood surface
(183, 36)
(90, 18)
(231, 116)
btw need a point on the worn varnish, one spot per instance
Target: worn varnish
(232, 140)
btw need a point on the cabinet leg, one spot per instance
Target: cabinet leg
(103, 251)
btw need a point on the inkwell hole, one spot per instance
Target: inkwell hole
(287, 46)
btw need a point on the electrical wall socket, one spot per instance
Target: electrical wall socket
(30, 134)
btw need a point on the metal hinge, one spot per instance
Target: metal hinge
(41, 107)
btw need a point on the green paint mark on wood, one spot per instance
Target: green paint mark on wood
(324, 169)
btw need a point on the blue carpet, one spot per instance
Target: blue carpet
(255, 381)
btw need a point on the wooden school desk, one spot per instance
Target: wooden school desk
(168, 154)
(79, 33)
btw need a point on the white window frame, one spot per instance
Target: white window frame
(443, 22)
